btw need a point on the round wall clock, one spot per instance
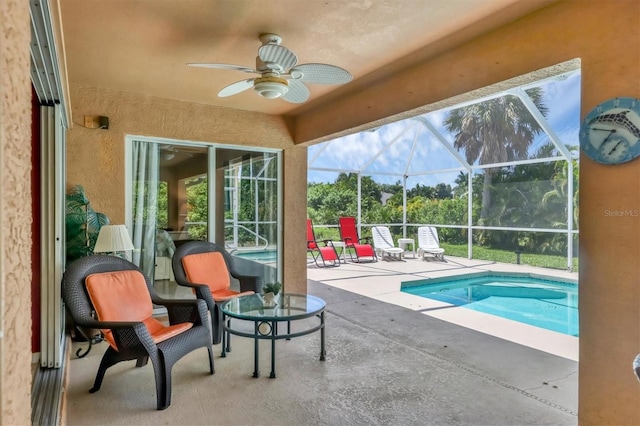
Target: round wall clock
(610, 133)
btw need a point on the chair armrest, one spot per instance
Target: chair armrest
(347, 241)
(250, 283)
(185, 310)
(133, 337)
(127, 334)
(248, 273)
(110, 325)
(365, 240)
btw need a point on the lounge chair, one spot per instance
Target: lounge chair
(383, 243)
(361, 248)
(323, 250)
(428, 243)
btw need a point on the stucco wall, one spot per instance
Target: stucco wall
(15, 214)
(605, 36)
(95, 157)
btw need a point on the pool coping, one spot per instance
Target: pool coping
(481, 274)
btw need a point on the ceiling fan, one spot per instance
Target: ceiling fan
(280, 76)
(168, 152)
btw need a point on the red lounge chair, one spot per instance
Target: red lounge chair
(362, 248)
(327, 252)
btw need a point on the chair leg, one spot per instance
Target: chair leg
(226, 337)
(211, 365)
(109, 359)
(316, 257)
(216, 324)
(162, 373)
(142, 361)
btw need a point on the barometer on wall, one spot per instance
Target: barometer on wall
(610, 133)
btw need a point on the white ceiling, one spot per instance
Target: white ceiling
(142, 46)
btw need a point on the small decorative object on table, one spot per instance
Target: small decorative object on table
(270, 291)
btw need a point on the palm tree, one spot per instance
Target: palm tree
(560, 182)
(495, 131)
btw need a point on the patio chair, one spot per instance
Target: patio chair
(323, 250)
(361, 248)
(207, 269)
(112, 294)
(428, 243)
(383, 243)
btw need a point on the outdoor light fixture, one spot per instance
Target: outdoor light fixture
(113, 239)
(271, 87)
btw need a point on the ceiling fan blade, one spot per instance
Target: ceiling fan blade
(297, 93)
(277, 54)
(235, 88)
(225, 67)
(321, 74)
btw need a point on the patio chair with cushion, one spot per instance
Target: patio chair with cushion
(361, 248)
(112, 294)
(323, 250)
(428, 243)
(383, 243)
(208, 269)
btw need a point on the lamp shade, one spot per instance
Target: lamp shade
(112, 239)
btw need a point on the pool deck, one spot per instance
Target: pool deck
(382, 281)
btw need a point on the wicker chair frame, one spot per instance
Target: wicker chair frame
(132, 339)
(247, 273)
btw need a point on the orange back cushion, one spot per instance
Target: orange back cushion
(207, 268)
(120, 296)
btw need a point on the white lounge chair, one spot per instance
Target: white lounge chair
(383, 243)
(428, 243)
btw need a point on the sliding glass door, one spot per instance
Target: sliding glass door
(180, 192)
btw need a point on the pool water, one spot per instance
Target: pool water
(544, 303)
(258, 256)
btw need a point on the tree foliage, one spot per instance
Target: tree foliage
(525, 196)
(495, 131)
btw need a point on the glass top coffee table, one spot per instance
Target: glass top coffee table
(289, 307)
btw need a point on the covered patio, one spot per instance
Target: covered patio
(518, 38)
(388, 362)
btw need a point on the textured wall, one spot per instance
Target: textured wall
(15, 214)
(603, 34)
(95, 157)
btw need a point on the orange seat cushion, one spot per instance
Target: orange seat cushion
(123, 296)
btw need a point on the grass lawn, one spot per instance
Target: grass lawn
(507, 256)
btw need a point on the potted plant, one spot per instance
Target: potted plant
(270, 291)
(272, 288)
(82, 224)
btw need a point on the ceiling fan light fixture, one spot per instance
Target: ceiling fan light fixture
(271, 87)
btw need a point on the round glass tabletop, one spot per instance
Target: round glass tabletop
(288, 307)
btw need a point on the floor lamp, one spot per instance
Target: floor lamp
(115, 240)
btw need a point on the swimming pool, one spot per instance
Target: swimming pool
(529, 299)
(258, 256)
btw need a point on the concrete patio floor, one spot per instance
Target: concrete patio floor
(389, 362)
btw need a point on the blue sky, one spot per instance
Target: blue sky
(386, 150)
